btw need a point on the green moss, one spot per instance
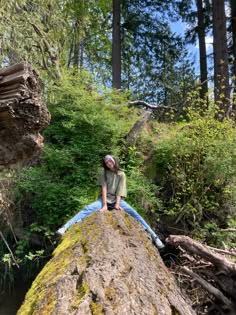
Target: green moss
(96, 309)
(49, 306)
(72, 237)
(110, 293)
(155, 312)
(111, 221)
(128, 222)
(51, 273)
(149, 247)
(82, 292)
(114, 223)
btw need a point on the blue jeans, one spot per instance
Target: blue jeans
(97, 205)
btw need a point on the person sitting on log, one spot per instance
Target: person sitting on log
(113, 189)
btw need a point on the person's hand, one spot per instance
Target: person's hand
(118, 207)
(104, 208)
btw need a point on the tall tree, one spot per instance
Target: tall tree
(202, 48)
(152, 53)
(197, 16)
(116, 45)
(233, 43)
(233, 30)
(40, 37)
(221, 65)
(78, 33)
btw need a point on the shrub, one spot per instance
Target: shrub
(195, 166)
(86, 124)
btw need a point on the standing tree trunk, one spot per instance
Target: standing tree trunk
(221, 66)
(233, 31)
(81, 57)
(76, 49)
(116, 46)
(202, 50)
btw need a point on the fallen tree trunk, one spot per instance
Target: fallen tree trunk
(137, 127)
(22, 114)
(105, 265)
(214, 272)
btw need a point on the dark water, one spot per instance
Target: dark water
(11, 301)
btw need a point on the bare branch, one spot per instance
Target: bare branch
(205, 252)
(143, 103)
(207, 286)
(9, 249)
(223, 251)
(228, 230)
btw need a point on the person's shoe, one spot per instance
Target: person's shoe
(162, 251)
(157, 242)
(61, 231)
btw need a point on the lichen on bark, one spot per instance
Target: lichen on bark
(105, 265)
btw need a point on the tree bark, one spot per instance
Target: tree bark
(107, 265)
(218, 279)
(22, 114)
(233, 32)
(137, 127)
(202, 50)
(221, 67)
(116, 46)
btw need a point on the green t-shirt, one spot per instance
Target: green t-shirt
(115, 182)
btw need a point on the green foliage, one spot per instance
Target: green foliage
(51, 34)
(196, 167)
(156, 67)
(142, 193)
(86, 124)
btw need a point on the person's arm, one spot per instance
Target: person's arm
(104, 198)
(117, 205)
(120, 191)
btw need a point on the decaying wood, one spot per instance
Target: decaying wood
(137, 127)
(212, 290)
(215, 273)
(22, 114)
(161, 112)
(106, 265)
(205, 252)
(228, 230)
(223, 251)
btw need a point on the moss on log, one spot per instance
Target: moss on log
(108, 265)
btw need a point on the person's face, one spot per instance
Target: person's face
(110, 164)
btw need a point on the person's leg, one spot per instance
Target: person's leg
(87, 210)
(127, 208)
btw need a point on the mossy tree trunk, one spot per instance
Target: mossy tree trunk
(106, 264)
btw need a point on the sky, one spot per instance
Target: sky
(179, 28)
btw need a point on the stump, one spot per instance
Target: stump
(22, 114)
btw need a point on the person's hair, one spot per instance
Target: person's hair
(116, 166)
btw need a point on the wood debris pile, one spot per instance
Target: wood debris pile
(208, 277)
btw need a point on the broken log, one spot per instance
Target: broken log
(137, 127)
(23, 115)
(105, 264)
(218, 278)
